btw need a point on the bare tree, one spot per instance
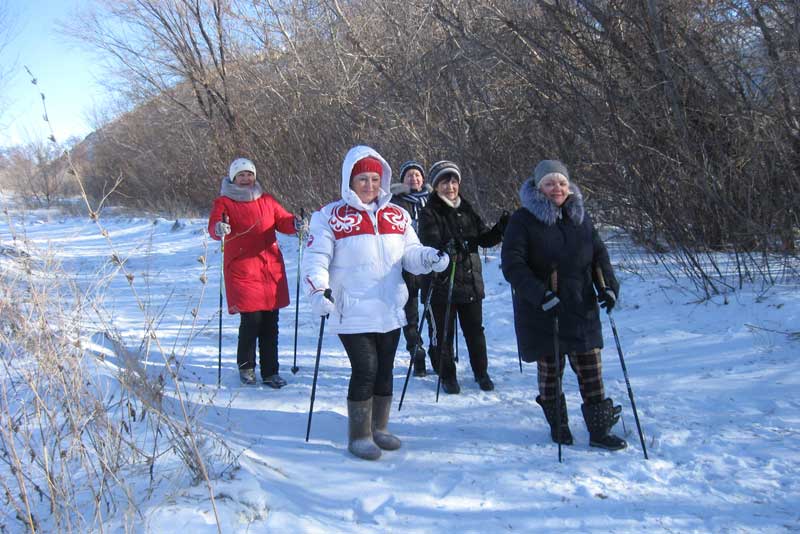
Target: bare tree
(166, 49)
(670, 113)
(38, 170)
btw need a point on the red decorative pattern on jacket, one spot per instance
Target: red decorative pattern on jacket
(346, 221)
(391, 220)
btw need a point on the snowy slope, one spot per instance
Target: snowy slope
(716, 388)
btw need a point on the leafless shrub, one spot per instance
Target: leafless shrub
(675, 116)
(69, 435)
(38, 172)
(80, 424)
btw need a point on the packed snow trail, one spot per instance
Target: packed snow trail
(716, 386)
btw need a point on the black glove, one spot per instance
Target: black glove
(551, 303)
(502, 222)
(607, 299)
(452, 248)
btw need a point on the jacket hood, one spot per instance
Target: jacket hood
(542, 208)
(353, 155)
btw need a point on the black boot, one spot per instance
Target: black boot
(419, 361)
(450, 385)
(484, 382)
(433, 354)
(549, 408)
(600, 417)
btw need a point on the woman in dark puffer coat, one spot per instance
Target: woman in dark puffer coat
(449, 220)
(551, 232)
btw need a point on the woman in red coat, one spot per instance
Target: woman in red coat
(255, 276)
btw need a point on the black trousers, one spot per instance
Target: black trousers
(412, 313)
(261, 326)
(371, 363)
(470, 317)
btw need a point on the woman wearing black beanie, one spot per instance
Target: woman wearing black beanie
(412, 195)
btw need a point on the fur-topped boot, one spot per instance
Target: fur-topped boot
(549, 408)
(359, 426)
(381, 407)
(600, 417)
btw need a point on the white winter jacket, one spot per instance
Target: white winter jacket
(360, 252)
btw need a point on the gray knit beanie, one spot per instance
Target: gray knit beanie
(442, 169)
(549, 166)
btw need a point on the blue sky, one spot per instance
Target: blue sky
(66, 73)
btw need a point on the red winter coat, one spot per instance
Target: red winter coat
(255, 275)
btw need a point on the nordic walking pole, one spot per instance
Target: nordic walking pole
(554, 289)
(418, 345)
(297, 292)
(451, 253)
(455, 338)
(602, 282)
(519, 354)
(221, 286)
(316, 365)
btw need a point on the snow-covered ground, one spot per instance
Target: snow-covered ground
(716, 383)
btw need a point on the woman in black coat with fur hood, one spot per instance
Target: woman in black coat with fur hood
(553, 232)
(449, 221)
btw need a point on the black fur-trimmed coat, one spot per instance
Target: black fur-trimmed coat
(440, 223)
(540, 237)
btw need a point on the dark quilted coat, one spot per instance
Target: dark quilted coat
(439, 224)
(539, 238)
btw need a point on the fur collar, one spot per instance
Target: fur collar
(540, 206)
(453, 204)
(399, 188)
(444, 206)
(240, 193)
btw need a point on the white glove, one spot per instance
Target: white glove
(222, 229)
(433, 260)
(321, 305)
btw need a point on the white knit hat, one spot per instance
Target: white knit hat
(239, 165)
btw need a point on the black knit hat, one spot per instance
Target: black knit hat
(407, 166)
(442, 168)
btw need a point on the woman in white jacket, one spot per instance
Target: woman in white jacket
(358, 247)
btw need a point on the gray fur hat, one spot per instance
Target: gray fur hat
(549, 166)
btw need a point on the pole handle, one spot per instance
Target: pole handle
(222, 239)
(599, 278)
(302, 218)
(554, 281)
